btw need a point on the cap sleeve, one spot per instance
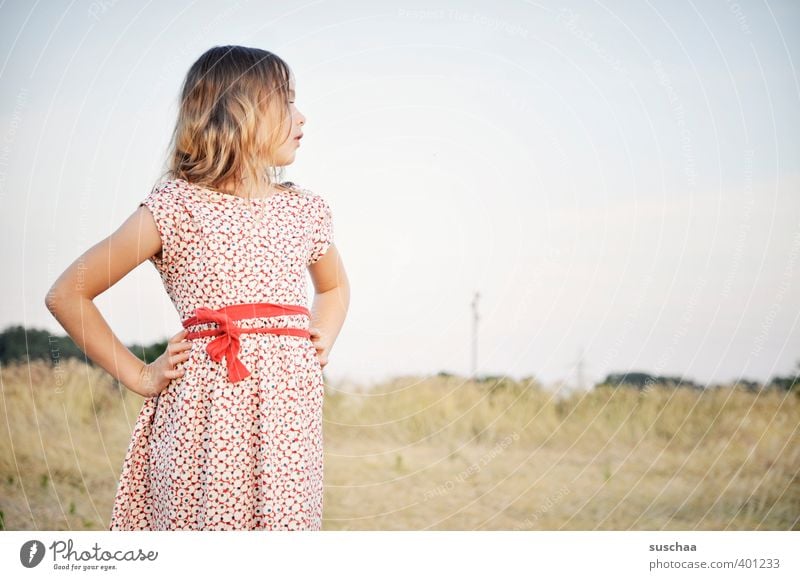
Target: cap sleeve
(161, 202)
(321, 228)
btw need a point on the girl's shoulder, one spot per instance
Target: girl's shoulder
(296, 189)
(309, 196)
(162, 194)
(168, 188)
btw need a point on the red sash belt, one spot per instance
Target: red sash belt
(227, 343)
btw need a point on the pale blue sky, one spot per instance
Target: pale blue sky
(618, 177)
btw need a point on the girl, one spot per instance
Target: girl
(230, 432)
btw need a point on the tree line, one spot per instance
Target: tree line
(20, 344)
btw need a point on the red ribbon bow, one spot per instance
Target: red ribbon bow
(227, 344)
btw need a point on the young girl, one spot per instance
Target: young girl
(230, 432)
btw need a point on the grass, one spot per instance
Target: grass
(446, 453)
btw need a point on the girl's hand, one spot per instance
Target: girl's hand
(321, 345)
(156, 376)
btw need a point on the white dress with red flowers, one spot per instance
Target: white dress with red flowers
(208, 453)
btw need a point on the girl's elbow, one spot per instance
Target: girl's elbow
(58, 295)
(52, 298)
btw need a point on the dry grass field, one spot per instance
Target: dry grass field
(446, 454)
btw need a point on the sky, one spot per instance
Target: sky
(617, 181)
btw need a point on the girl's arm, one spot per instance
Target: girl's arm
(70, 299)
(331, 300)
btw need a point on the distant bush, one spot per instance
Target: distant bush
(20, 344)
(786, 383)
(643, 380)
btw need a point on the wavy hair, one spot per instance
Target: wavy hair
(234, 101)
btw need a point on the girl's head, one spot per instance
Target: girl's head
(237, 124)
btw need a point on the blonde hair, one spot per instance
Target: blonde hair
(234, 101)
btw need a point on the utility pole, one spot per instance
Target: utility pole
(475, 318)
(580, 370)
(579, 367)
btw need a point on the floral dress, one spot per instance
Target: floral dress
(209, 453)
